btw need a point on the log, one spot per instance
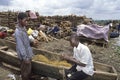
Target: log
(4, 48)
(41, 34)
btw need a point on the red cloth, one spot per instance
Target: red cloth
(32, 15)
(3, 35)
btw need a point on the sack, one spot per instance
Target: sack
(114, 34)
(30, 31)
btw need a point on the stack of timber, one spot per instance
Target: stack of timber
(65, 29)
(8, 19)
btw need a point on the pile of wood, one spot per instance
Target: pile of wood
(75, 20)
(45, 38)
(65, 23)
(65, 29)
(8, 19)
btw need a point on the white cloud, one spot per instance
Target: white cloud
(96, 9)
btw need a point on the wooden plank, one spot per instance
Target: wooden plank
(93, 41)
(104, 67)
(38, 68)
(4, 48)
(10, 68)
(104, 76)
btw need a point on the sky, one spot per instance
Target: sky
(95, 9)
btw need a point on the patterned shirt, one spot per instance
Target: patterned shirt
(23, 47)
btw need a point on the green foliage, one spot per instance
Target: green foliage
(103, 22)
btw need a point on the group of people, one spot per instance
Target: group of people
(82, 58)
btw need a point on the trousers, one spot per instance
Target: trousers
(73, 74)
(25, 69)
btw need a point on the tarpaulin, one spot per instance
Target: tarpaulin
(93, 31)
(32, 15)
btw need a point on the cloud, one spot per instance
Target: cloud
(96, 9)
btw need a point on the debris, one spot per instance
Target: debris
(12, 76)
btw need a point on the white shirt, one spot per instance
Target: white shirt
(83, 54)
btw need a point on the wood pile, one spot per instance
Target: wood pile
(64, 22)
(45, 38)
(8, 19)
(65, 29)
(72, 18)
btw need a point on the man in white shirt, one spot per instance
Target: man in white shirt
(82, 58)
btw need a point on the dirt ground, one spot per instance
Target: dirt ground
(109, 55)
(4, 74)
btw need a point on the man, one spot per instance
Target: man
(82, 58)
(23, 48)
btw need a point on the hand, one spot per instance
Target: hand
(64, 56)
(27, 61)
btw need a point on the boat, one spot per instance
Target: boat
(102, 71)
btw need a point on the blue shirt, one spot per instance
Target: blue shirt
(23, 47)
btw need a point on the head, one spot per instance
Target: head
(22, 19)
(74, 40)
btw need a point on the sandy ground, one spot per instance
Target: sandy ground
(110, 55)
(4, 74)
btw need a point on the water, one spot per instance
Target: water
(117, 41)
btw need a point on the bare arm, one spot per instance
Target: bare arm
(68, 58)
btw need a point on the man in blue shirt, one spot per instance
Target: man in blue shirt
(23, 48)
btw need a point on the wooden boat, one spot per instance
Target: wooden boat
(102, 71)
